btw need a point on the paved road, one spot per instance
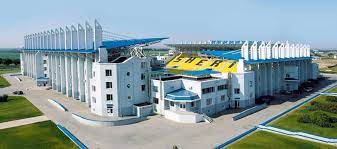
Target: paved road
(157, 132)
(24, 121)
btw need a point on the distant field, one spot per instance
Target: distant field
(11, 54)
(329, 70)
(268, 140)
(40, 135)
(17, 107)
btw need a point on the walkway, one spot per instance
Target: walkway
(21, 122)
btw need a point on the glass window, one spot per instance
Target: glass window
(108, 72)
(128, 73)
(209, 101)
(192, 104)
(108, 84)
(207, 90)
(237, 91)
(143, 87)
(109, 108)
(142, 77)
(93, 88)
(223, 98)
(93, 99)
(155, 100)
(171, 103)
(221, 87)
(109, 97)
(129, 97)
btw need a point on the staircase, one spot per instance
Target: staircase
(207, 118)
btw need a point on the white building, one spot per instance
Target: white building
(115, 79)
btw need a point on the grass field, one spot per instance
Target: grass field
(333, 90)
(35, 136)
(17, 107)
(267, 140)
(289, 122)
(332, 70)
(3, 82)
(9, 69)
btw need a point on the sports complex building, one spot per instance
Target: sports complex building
(112, 75)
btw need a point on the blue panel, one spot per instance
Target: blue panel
(199, 72)
(127, 43)
(67, 51)
(224, 54)
(182, 94)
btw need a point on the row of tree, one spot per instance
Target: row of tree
(7, 61)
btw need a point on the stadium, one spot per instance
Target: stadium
(112, 75)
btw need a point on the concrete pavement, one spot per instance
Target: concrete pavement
(24, 121)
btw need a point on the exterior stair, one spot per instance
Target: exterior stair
(207, 118)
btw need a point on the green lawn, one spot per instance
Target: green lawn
(3, 82)
(17, 107)
(35, 136)
(268, 140)
(289, 122)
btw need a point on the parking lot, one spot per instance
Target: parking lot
(156, 132)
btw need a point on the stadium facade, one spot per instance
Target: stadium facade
(112, 75)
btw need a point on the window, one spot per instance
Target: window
(237, 91)
(45, 75)
(128, 73)
(143, 87)
(171, 103)
(209, 101)
(155, 100)
(44, 61)
(250, 83)
(109, 97)
(128, 85)
(192, 104)
(182, 105)
(93, 73)
(155, 88)
(93, 88)
(109, 108)
(143, 65)
(108, 72)
(108, 84)
(45, 68)
(287, 75)
(142, 77)
(221, 87)
(207, 90)
(129, 97)
(223, 98)
(93, 99)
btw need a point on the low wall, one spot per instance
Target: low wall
(58, 105)
(183, 118)
(144, 111)
(17, 78)
(249, 111)
(91, 122)
(298, 134)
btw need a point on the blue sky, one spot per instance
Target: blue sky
(309, 21)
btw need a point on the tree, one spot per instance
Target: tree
(16, 61)
(8, 61)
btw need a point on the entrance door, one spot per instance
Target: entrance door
(236, 104)
(182, 106)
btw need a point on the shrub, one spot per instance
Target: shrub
(333, 119)
(313, 103)
(321, 119)
(5, 97)
(331, 98)
(304, 118)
